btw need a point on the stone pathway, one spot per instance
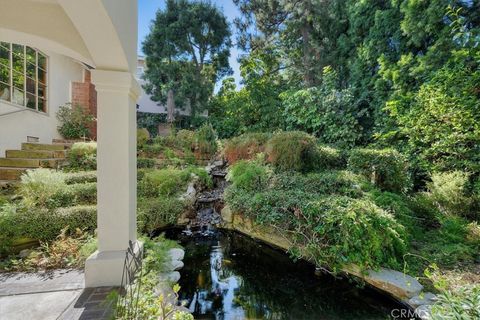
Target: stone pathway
(51, 295)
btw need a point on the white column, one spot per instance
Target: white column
(117, 93)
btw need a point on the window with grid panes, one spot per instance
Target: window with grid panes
(23, 76)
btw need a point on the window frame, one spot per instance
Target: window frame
(26, 76)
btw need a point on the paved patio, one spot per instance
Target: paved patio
(51, 295)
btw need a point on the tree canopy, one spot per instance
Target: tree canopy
(186, 52)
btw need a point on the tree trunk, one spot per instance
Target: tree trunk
(306, 31)
(170, 107)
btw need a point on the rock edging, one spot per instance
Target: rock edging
(171, 276)
(402, 287)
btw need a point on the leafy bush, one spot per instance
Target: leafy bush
(74, 121)
(17, 222)
(386, 168)
(292, 150)
(39, 186)
(249, 175)
(153, 150)
(329, 158)
(462, 303)
(324, 183)
(327, 112)
(448, 191)
(146, 163)
(154, 213)
(441, 118)
(186, 139)
(84, 193)
(80, 177)
(142, 137)
(204, 179)
(163, 182)
(245, 146)
(338, 231)
(206, 140)
(82, 156)
(453, 243)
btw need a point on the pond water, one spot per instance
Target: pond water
(230, 276)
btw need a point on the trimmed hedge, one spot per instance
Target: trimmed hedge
(146, 163)
(80, 177)
(245, 146)
(386, 168)
(292, 150)
(154, 213)
(42, 224)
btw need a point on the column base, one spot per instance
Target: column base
(105, 268)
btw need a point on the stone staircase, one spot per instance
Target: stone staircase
(32, 155)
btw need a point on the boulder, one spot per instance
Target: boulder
(398, 284)
(176, 265)
(424, 312)
(427, 298)
(227, 215)
(170, 277)
(176, 254)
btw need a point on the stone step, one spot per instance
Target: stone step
(10, 174)
(44, 146)
(35, 154)
(29, 163)
(66, 141)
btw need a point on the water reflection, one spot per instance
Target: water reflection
(229, 276)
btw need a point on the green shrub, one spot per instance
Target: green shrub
(461, 303)
(448, 191)
(324, 183)
(204, 179)
(338, 231)
(186, 139)
(403, 208)
(249, 175)
(17, 222)
(153, 150)
(293, 150)
(245, 146)
(163, 182)
(327, 111)
(386, 168)
(74, 121)
(147, 163)
(81, 177)
(329, 158)
(142, 137)
(154, 213)
(206, 140)
(82, 156)
(84, 193)
(455, 242)
(39, 186)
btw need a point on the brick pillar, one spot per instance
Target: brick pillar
(85, 95)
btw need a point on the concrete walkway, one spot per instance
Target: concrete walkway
(51, 295)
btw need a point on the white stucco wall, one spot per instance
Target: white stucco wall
(14, 128)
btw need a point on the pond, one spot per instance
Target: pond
(230, 276)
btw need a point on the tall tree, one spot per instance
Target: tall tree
(186, 52)
(289, 25)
